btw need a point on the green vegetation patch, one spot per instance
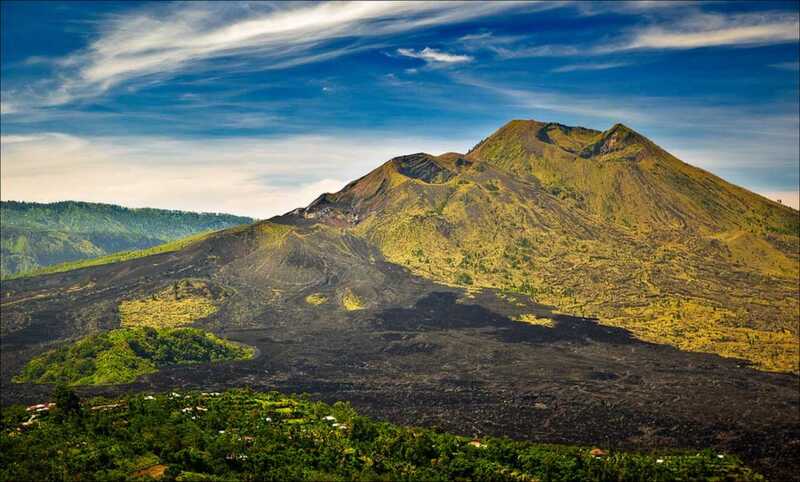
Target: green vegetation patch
(179, 304)
(316, 299)
(116, 257)
(35, 235)
(242, 435)
(351, 301)
(120, 356)
(532, 319)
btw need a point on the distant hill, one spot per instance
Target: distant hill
(34, 235)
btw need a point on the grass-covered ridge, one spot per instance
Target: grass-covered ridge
(122, 355)
(241, 435)
(36, 235)
(115, 258)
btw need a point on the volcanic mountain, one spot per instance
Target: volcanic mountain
(555, 283)
(603, 224)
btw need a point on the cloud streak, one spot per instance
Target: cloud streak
(158, 42)
(596, 66)
(790, 66)
(433, 56)
(713, 30)
(690, 31)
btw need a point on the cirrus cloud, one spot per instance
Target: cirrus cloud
(433, 56)
(157, 42)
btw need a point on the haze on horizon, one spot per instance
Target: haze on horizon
(257, 108)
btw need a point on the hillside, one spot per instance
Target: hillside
(463, 292)
(35, 235)
(242, 435)
(120, 356)
(603, 224)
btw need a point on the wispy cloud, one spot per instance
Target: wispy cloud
(15, 139)
(693, 29)
(776, 121)
(158, 41)
(590, 66)
(792, 66)
(535, 99)
(713, 30)
(631, 7)
(433, 56)
(251, 176)
(7, 108)
(513, 46)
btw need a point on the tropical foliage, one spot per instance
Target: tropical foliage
(120, 356)
(241, 435)
(36, 235)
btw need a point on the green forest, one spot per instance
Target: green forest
(122, 355)
(34, 235)
(244, 435)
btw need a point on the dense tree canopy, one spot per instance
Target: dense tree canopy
(241, 435)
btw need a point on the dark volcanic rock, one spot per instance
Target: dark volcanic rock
(419, 353)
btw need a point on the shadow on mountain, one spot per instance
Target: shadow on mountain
(442, 311)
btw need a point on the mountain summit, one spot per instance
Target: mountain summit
(623, 177)
(600, 223)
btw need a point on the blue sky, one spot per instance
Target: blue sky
(255, 108)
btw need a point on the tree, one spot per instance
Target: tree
(67, 402)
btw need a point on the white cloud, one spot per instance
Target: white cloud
(691, 30)
(249, 176)
(711, 30)
(593, 66)
(535, 99)
(791, 66)
(159, 41)
(433, 56)
(13, 139)
(7, 108)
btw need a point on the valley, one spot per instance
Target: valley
(37, 237)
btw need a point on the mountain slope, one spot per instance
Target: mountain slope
(418, 292)
(36, 235)
(623, 177)
(603, 224)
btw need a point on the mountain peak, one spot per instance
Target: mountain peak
(620, 127)
(620, 142)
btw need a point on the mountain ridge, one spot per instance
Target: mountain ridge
(36, 235)
(617, 195)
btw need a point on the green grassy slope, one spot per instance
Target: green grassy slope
(35, 235)
(122, 355)
(602, 224)
(241, 435)
(622, 177)
(113, 258)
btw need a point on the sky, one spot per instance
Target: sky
(256, 108)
